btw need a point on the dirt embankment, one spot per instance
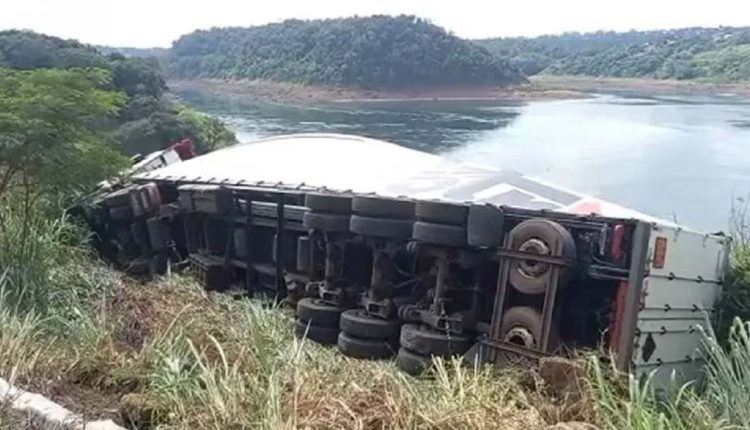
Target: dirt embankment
(289, 92)
(588, 84)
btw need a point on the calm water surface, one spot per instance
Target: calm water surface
(678, 157)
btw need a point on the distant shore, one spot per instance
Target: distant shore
(289, 92)
(588, 84)
(547, 87)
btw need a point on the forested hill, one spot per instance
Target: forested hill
(715, 54)
(148, 120)
(377, 51)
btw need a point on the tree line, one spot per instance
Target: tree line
(713, 54)
(144, 120)
(377, 51)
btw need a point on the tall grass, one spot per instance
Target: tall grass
(728, 375)
(629, 403)
(34, 250)
(21, 340)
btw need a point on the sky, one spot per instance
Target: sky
(150, 23)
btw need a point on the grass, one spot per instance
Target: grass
(182, 358)
(170, 355)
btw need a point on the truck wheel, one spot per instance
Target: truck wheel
(117, 198)
(382, 207)
(318, 313)
(328, 203)
(484, 227)
(537, 236)
(326, 222)
(357, 322)
(381, 227)
(440, 234)
(158, 265)
(304, 261)
(158, 233)
(358, 347)
(319, 334)
(441, 212)
(412, 363)
(428, 341)
(522, 325)
(121, 213)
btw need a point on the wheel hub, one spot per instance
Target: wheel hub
(533, 268)
(520, 335)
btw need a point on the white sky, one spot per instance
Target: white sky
(146, 23)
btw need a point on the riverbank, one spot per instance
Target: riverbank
(588, 84)
(299, 93)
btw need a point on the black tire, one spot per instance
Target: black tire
(240, 243)
(326, 222)
(440, 234)
(441, 212)
(158, 265)
(328, 203)
(121, 213)
(428, 341)
(158, 233)
(139, 233)
(120, 197)
(320, 334)
(536, 235)
(412, 363)
(318, 313)
(304, 262)
(357, 322)
(381, 227)
(485, 226)
(522, 325)
(371, 349)
(382, 207)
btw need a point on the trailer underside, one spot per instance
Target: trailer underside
(383, 275)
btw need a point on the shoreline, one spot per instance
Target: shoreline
(539, 88)
(260, 90)
(589, 84)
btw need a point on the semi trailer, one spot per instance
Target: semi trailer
(388, 252)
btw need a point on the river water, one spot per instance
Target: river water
(684, 158)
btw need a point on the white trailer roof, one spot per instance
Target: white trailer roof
(361, 165)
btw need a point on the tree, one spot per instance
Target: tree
(718, 54)
(376, 51)
(147, 122)
(52, 124)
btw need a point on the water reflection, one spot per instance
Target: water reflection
(681, 157)
(431, 126)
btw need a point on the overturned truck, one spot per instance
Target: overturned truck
(387, 251)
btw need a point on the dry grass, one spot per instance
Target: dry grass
(188, 359)
(182, 358)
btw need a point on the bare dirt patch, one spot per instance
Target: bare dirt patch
(244, 89)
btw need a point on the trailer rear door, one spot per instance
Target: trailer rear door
(681, 283)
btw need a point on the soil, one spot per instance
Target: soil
(92, 403)
(655, 86)
(289, 92)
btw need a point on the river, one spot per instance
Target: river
(684, 158)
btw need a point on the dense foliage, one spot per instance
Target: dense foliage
(51, 138)
(376, 51)
(717, 54)
(146, 107)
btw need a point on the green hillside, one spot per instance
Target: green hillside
(149, 120)
(376, 51)
(711, 54)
